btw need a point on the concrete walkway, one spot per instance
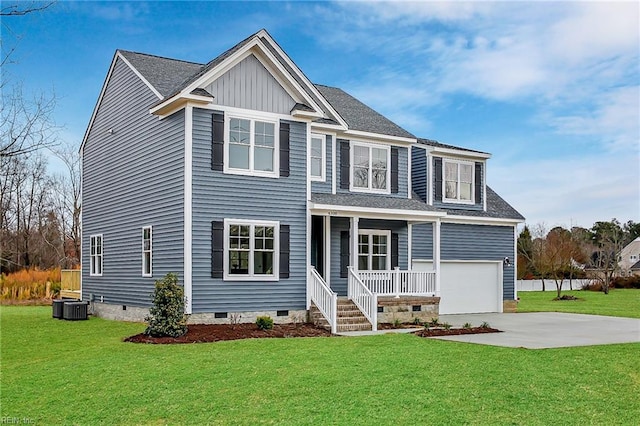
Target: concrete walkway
(539, 330)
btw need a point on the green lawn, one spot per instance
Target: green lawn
(618, 303)
(59, 372)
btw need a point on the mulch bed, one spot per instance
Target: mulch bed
(436, 332)
(202, 333)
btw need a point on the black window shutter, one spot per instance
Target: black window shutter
(217, 249)
(284, 149)
(344, 254)
(344, 164)
(394, 250)
(217, 141)
(437, 178)
(478, 187)
(284, 251)
(394, 170)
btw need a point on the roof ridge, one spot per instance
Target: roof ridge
(159, 57)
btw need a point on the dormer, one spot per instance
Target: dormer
(449, 177)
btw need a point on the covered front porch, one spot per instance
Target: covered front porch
(365, 257)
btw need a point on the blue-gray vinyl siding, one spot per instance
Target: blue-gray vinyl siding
(217, 196)
(133, 176)
(419, 172)
(325, 187)
(403, 174)
(339, 224)
(249, 85)
(480, 242)
(479, 203)
(422, 241)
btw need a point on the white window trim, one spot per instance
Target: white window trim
(369, 190)
(276, 144)
(92, 273)
(444, 182)
(150, 274)
(323, 166)
(371, 233)
(276, 251)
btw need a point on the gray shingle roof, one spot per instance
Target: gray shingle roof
(372, 201)
(359, 116)
(431, 142)
(635, 266)
(165, 74)
(497, 208)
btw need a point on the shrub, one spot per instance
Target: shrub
(446, 326)
(434, 322)
(397, 323)
(626, 282)
(416, 321)
(467, 325)
(264, 322)
(485, 325)
(167, 317)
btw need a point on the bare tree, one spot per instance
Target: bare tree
(560, 252)
(608, 240)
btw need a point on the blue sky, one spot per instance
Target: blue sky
(552, 90)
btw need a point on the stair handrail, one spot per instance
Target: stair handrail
(325, 299)
(365, 299)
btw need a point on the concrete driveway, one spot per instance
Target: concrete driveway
(541, 330)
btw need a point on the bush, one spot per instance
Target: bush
(167, 317)
(264, 323)
(626, 282)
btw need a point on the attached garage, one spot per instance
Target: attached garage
(468, 286)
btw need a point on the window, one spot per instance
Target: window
(147, 247)
(96, 255)
(370, 168)
(373, 250)
(251, 146)
(318, 157)
(251, 251)
(458, 181)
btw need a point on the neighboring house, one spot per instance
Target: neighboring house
(268, 194)
(629, 260)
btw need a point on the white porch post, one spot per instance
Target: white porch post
(354, 242)
(409, 248)
(327, 250)
(436, 254)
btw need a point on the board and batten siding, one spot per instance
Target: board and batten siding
(249, 85)
(133, 176)
(480, 242)
(217, 196)
(340, 224)
(419, 172)
(326, 186)
(403, 173)
(422, 241)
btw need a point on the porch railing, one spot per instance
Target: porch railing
(399, 283)
(325, 299)
(365, 299)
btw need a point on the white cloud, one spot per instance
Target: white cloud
(579, 190)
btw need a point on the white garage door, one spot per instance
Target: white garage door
(468, 287)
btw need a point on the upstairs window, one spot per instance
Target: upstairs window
(318, 156)
(370, 168)
(458, 181)
(147, 253)
(96, 255)
(252, 145)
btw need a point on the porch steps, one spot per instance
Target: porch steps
(350, 318)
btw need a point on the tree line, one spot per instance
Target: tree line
(561, 253)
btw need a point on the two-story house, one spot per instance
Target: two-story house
(268, 194)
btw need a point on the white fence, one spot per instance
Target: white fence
(550, 285)
(399, 283)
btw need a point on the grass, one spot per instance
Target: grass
(59, 372)
(618, 303)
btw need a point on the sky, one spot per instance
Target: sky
(550, 89)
